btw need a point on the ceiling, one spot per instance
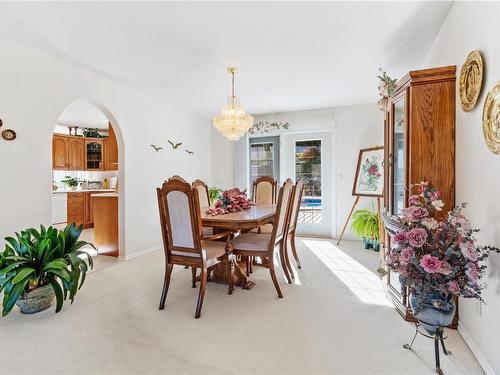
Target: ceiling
(291, 55)
(83, 114)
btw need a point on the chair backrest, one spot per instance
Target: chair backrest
(298, 189)
(202, 189)
(282, 212)
(179, 217)
(264, 190)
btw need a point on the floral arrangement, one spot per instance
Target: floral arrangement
(386, 87)
(231, 200)
(266, 126)
(436, 258)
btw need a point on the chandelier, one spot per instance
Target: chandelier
(233, 123)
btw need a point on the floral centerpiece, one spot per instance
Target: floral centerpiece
(231, 200)
(436, 259)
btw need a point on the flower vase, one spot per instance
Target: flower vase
(437, 311)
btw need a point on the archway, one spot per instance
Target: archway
(88, 175)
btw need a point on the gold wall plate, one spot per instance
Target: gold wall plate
(9, 135)
(471, 80)
(491, 119)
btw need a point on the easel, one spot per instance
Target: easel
(350, 214)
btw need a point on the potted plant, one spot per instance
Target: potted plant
(214, 193)
(38, 266)
(365, 224)
(71, 182)
(436, 259)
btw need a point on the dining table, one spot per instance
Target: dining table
(234, 222)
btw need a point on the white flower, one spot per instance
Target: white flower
(438, 204)
(430, 223)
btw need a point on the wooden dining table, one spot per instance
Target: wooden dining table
(253, 217)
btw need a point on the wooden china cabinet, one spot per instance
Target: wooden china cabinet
(419, 146)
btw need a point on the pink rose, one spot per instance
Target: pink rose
(469, 251)
(406, 255)
(430, 264)
(414, 213)
(402, 270)
(416, 237)
(399, 237)
(460, 223)
(453, 287)
(446, 268)
(414, 199)
(472, 272)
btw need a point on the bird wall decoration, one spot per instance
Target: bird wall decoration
(157, 148)
(175, 146)
(189, 152)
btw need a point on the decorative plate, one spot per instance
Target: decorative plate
(471, 80)
(9, 134)
(491, 119)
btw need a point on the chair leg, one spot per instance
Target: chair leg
(294, 250)
(193, 276)
(252, 261)
(247, 265)
(287, 258)
(166, 284)
(437, 335)
(201, 294)
(283, 262)
(275, 279)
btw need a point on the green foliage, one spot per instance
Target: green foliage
(36, 258)
(214, 193)
(92, 133)
(70, 181)
(365, 223)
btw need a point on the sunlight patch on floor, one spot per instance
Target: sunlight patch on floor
(365, 284)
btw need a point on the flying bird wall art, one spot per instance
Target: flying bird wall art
(157, 148)
(175, 146)
(189, 152)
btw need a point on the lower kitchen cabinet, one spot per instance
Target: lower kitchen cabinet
(80, 209)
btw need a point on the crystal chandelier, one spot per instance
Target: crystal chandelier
(233, 123)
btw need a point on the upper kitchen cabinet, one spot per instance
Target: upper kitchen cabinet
(76, 154)
(94, 160)
(60, 152)
(111, 151)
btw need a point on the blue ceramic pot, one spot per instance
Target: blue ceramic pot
(431, 317)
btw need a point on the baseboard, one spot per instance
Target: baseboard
(475, 350)
(140, 253)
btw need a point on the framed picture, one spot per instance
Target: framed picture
(369, 179)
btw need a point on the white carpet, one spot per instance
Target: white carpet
(335, 320)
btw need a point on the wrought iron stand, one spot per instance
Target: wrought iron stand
(437, 337)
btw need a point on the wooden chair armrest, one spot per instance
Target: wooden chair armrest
(217, 236)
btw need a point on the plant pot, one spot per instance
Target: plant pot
(36, 300)
(431, 317)
(73, 187)
(371, 244)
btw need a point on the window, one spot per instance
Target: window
(308, 167)
(264, 158)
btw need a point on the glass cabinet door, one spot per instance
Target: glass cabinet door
(94, 150)
(399, 156)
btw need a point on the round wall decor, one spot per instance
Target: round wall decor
(491, 119)
(1, 122)
(471, 80)
(9, 135)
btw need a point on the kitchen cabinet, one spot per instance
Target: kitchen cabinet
(419, 146)
(94, 152)
(111, 152)
(76, 208)
(59, 152)
(76, 154)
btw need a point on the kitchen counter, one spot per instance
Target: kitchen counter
(60, 191)
(105, 195)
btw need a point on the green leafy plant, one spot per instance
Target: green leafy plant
(92, 133)
(37, 258)
(214, 193)
(365, 223)
(70, 181)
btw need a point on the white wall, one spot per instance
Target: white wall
(475, 26)
(35, 89)
(354, 127)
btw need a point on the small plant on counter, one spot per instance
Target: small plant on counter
(71, 182)
(37, 266)
(365, 224)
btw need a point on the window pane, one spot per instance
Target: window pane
(261, 160)
(308, 167)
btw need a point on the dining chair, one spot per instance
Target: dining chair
(264, 190)
(183, 244)
(208, 233)
(265, 245)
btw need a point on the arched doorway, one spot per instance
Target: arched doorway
(87, 175)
